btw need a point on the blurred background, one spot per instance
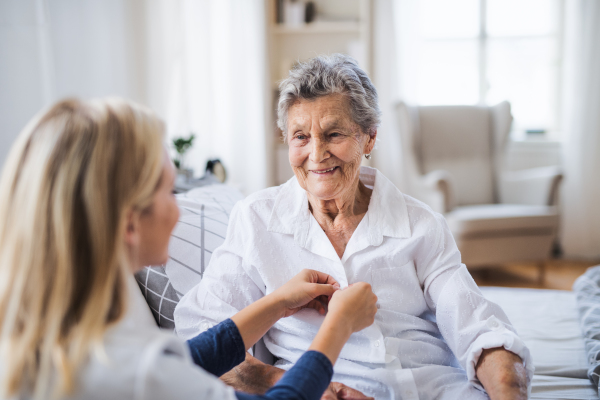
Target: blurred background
(211, 68)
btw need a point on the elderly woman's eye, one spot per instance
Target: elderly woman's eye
(301, 137)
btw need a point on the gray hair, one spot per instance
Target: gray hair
(324, 75)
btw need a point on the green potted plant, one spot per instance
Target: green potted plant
(181, 146)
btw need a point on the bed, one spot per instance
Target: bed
(547, 320)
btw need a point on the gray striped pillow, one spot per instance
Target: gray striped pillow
(201, 229)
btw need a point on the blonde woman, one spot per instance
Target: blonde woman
(85, 199)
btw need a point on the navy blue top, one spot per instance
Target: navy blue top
(221, 348)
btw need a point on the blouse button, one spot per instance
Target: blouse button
(376, 344)
(493, 324)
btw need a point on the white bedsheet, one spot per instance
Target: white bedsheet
(547, 321)
(554, 387)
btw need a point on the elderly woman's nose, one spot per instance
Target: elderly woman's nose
(319, 150)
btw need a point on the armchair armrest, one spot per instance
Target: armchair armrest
(436, 189)
(536, 186)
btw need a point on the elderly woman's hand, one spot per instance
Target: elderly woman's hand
(308, 289)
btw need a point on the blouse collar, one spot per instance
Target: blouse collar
(387, 213)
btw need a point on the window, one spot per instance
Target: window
(486, 51)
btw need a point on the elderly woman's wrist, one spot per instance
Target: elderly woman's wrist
(502, 374)
(508, 391)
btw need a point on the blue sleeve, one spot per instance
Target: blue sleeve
(218, 349)
(306, 380)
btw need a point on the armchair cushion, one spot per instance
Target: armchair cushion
(493, 234)
(500, 220)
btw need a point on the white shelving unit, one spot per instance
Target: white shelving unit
(342, 26)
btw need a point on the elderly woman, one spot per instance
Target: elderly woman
(435, 336)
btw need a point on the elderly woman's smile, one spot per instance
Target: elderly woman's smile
(326, 146)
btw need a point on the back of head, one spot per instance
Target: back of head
(74, 173)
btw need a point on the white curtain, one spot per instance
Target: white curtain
(207, 74)
(581, 192)
(201, 64)
(395, 48)
(51, 49)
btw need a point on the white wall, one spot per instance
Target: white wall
(181, 58)
(59, 48)
(23, 68)
(94, 48)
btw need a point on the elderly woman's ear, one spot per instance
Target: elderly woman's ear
(370, 145)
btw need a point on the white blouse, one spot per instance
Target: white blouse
(432, 324)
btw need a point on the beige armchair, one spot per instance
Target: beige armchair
(454, 157)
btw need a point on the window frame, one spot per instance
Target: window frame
(553, 133)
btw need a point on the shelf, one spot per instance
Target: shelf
(318, 27)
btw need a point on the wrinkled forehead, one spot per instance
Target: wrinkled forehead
(327, 112)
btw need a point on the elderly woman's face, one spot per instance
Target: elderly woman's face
(325, 146)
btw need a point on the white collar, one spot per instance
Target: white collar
(388, 215)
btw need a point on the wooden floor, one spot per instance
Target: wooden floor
(559, 274)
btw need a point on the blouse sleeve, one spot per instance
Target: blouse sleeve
(218, 349)
(306, 380)
(468, 322)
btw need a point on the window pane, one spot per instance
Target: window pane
(447, 19)
(524, 72)
(448, 72)
(521, 17)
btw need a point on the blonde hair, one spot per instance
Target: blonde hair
(72, 177)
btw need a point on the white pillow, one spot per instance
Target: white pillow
(201, 229)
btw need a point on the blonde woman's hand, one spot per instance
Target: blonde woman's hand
(308, 289)
(354, 306)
